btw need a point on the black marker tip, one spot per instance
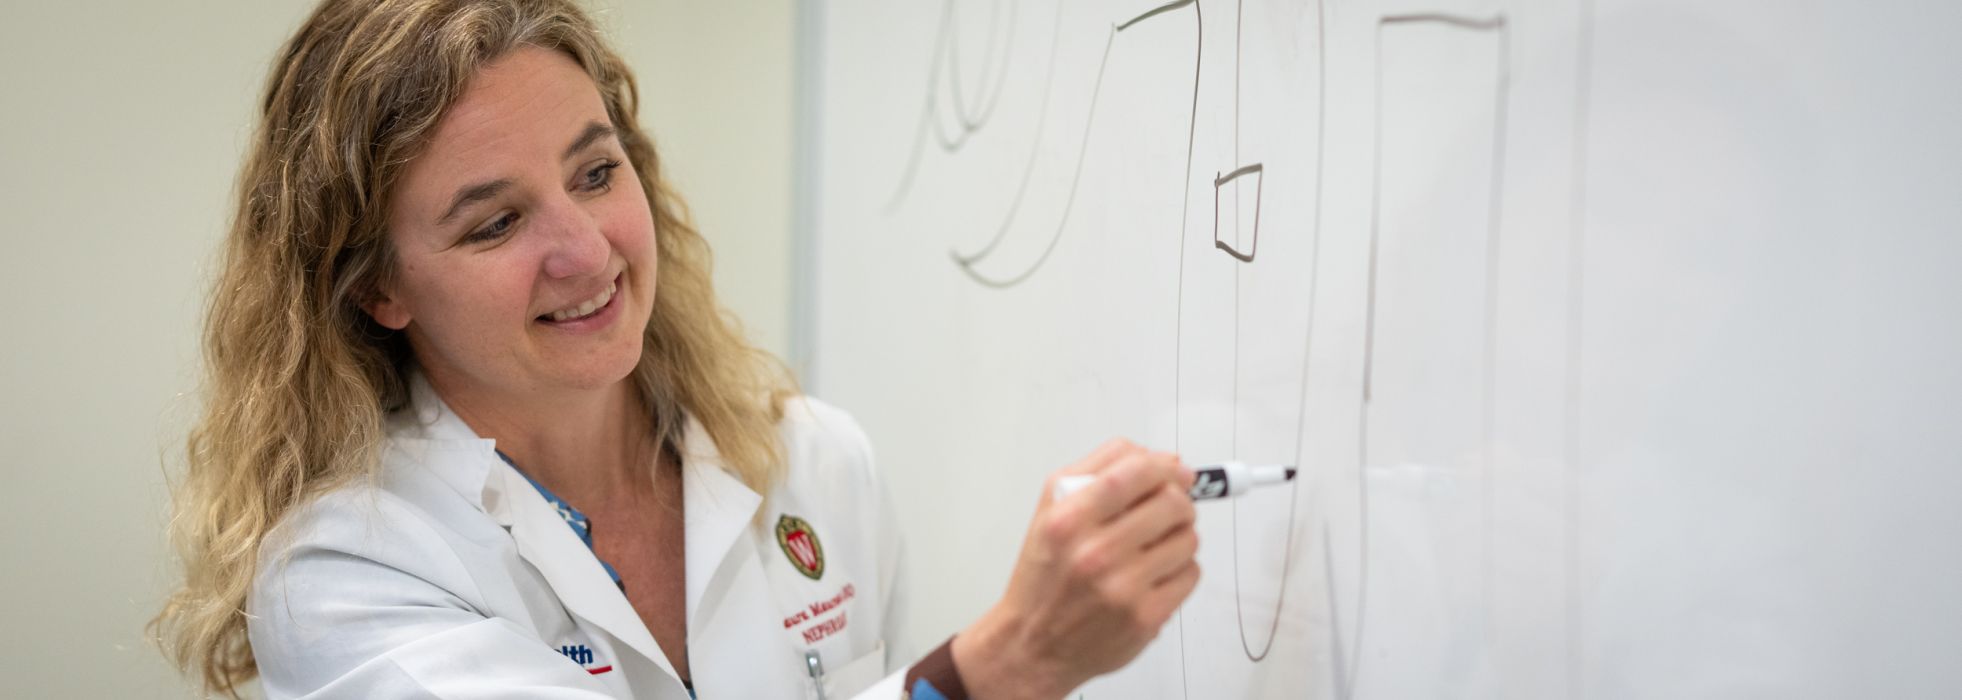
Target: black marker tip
(1290, 476)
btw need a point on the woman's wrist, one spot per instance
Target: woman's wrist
(996, 662)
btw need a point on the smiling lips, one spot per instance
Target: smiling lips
(587, 307)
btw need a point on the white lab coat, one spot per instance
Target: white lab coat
(452, 577)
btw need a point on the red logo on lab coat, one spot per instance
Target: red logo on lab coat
(800, 545)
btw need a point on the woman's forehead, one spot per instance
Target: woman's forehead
(530, 92)
(518, 109)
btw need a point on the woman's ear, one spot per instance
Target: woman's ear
(388, 311)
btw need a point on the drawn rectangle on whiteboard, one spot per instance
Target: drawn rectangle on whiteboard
(1431, 246)
(1440, 125)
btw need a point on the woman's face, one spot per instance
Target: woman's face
(524, 243)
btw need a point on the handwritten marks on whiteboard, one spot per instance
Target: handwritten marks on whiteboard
(1430, 339)
(1219, 181)
(971, 263)
(944, 68)
(1436, 153)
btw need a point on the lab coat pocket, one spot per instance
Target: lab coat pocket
(851, 678)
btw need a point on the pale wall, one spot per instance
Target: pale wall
(121, 125)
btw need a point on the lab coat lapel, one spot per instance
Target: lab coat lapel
(732, 650)
(717, 509)
(573, 572)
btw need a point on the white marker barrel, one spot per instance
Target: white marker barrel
(1224, 480)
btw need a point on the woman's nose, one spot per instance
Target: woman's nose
(579, 247)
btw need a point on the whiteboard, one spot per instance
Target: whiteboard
(1617, 341)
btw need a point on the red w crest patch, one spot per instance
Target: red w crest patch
(800, 544)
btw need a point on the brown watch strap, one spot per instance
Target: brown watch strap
(935, 677)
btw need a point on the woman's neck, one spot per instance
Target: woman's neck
(587, 447)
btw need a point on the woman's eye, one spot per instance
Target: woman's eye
(600, 178)
(493, 230)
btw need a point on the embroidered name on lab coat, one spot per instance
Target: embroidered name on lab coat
(826, 627)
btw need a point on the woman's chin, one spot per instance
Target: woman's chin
(601, 375)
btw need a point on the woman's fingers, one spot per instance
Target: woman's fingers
(1100, 572)
(1097, 461)
(1142, 549)
(1161, 513)
(1126, 570)
(1167, 555)
(1154, 585)
(1102, 457)
(1165, 597)
(1131, 478)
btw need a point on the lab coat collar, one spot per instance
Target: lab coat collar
(426, 433)
(717, 509)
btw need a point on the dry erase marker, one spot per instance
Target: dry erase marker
(1224, 480)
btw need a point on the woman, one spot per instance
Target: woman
(476, 426)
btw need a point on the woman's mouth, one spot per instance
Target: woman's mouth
(587, 308)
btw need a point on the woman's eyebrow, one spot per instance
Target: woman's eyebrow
(594, 132)
(472, 195)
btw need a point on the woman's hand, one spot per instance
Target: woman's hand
(1100, 572)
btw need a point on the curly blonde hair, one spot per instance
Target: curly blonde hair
(298, 378)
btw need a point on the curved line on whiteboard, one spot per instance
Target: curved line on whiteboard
(1287, 562)
(1301, 403)
(1035, 147)
(967, 263)
(951, 61)
(990, 96)
(945, 53)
